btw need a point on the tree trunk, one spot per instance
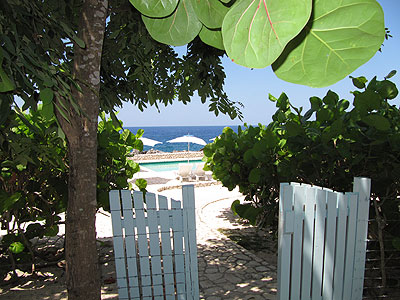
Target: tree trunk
(83, 276)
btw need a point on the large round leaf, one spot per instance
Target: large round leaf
(255, 32)
(178, 29)
(342, 36)
(155, 8)
(210, 12)
(212, 37)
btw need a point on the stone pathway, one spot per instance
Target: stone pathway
(227, 270)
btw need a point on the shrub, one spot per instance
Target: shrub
(328, 145)
(34, 176)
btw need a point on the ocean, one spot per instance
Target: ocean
(165, 133)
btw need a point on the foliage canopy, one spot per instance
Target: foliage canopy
(315, 43)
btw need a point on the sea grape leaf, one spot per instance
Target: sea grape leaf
(212, 37)
(359, 82)
(377, 121)
(342, 36)
(391, 74)
(387, 89)
(210, 12)
(177, 29)
(155, 8)
(255, 32)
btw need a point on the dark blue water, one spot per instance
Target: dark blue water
(165, 133)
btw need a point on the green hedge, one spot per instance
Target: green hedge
(327, 145)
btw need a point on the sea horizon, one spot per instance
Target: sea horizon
(165, 133)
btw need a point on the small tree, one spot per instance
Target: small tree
(53, 51)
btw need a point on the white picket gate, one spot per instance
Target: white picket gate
(322, 242)
(155, 245)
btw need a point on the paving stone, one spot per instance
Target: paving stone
(214, 276)
(211, 270)
(262, 269)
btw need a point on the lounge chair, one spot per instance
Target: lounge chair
(199, 172)
(184, 171)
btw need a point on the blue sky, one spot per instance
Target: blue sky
(251, 87)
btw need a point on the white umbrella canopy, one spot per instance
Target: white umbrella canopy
(149, 142)
(188, 139)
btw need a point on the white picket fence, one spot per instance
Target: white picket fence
(155, 245)
(322, 242)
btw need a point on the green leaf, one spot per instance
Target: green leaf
(141, 183)
(73, 35)
(177, 29)
(342, 36)
(331, 98)
(293, 129)
(391, 74)
(210, 12)
(212, 37)
(246, 211)
(316, 103)
(16, 247)
(367, 101)
(233, 206)
(254, 175)
(387, 89)
(256, 32)
(155, 8)
(377, 121)
(46, 95)
(359, 82)
(6, 84)
(6, 201)
(51, 230)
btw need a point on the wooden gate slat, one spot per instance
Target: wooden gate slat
(299, 199)
(153, 223)
(143, 246)
(178, 248)
(330, 237)
(362, 186)
(130, 243)
(166, 248)
(350, 245)
(191, 244)
(118, 241)
(284, 241)
(319, 242)
(340, 248)
(308, 246)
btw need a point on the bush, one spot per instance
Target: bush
(328, 145)
(34, 176)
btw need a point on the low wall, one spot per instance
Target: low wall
(167, 155)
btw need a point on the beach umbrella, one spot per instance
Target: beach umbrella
(149, 142)
(188, 139)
